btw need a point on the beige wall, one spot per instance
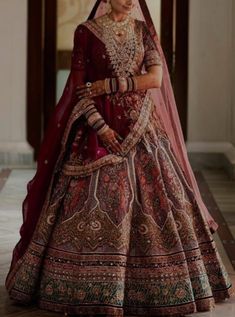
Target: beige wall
(155, 10)
(211, 116)
(70, 14)
(210, 57)
(233, 78)
(13, 34)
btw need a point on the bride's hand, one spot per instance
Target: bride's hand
(110, 139)
(90, 90)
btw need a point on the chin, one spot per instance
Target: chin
(125, 11)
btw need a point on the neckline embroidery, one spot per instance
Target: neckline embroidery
(122, 53)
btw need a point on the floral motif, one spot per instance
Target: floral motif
(116, 250)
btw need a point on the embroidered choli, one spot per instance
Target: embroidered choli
(123, 112)
(88, 51)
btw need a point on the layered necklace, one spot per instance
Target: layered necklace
(121, 43)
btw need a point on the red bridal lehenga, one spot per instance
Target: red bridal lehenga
(116, 235)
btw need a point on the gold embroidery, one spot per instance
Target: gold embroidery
(121, 50)
(126, 56)
(152, 57)
(132, 138)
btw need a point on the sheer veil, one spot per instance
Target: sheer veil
(165, 101)
(39, 186)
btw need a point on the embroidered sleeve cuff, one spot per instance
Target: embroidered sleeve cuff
(152, 58)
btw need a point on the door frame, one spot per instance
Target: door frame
(41, 69)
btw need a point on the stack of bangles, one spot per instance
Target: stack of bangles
(94, 119)
(121, 84)
(112, 85)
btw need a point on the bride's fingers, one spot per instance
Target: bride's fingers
(82, 91)
(116, 145)
(84, 87)
(81, 87)
(85, 95)
(109, 149)
(112, 146)
(120, 138)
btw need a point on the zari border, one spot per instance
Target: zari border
(129, 142)
(199, 305)
(76, 113)
(95, 28)
(10, 280)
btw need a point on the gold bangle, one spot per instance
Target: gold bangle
(107, 86)
(122, 84)
(135, 83)
(103, 130)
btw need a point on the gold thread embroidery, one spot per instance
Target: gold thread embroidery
(125, 58)
(132, 138)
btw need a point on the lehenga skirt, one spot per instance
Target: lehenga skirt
(126, 240)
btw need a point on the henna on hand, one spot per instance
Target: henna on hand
(111, 139)
(95, 89)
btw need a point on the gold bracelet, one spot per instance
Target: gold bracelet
(107, 86)
(135, 83)
(103, 130)
(122, 84)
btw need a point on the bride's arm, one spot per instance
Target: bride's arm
(152, 62)
(152, 79)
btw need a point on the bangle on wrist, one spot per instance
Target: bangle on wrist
(114, 86)
(103, 129)
(94, 119)
(111, 85)
(107, 86)
(131, 84)
(135, 83)
(123, 84)
(120, 84)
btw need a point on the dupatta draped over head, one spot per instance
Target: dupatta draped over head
(50, 148)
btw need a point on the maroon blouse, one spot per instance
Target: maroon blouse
(120, 111)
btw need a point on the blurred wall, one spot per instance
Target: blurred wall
(233, 66)
(70, 14)
(211, 112)
(13, 33)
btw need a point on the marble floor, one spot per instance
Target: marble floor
(13, 193)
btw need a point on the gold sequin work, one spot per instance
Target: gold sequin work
(121, 44)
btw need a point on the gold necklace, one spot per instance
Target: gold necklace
(118, 27)
(121, 44)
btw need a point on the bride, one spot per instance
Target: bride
(113, 221)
